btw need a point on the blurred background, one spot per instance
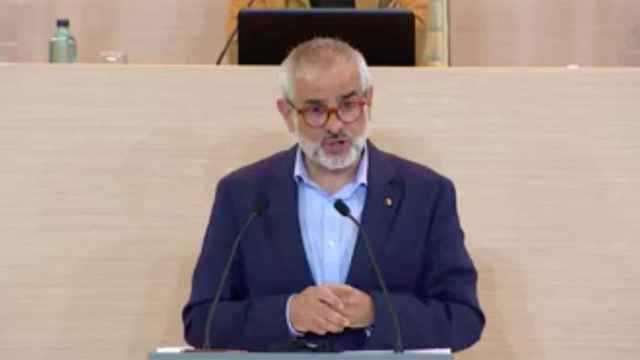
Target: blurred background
(462, 32)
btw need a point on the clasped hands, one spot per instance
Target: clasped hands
(330, 308)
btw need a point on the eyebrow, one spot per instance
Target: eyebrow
(348, 95)
(340, 98)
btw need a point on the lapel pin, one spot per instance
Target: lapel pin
(388, 202)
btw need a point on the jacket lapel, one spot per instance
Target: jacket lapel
(384, 194)
(284, 224)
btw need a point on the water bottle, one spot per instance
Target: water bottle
(62, 46)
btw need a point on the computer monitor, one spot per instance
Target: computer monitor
(386, 37)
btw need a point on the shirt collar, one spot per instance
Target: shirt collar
(300, 171)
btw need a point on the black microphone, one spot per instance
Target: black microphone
(230, 39)
(344, 210)
(260, 207)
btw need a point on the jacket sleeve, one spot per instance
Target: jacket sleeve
(240, 322)
(444, 312)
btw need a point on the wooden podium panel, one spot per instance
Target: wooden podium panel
(107, 177)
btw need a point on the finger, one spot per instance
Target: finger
(340, 290)
(328, 297)
(335, 317)
(320, 326)
(332, 328)
(318, 330)
(331, 325)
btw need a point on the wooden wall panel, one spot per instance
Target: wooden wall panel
(545, 32)
(483, 32)
(108, 173)
(149, 31)
(8, 31)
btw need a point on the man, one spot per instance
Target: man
(301, 271)
(420, 9)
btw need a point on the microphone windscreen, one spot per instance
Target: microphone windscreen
(261, 206)
(342, 208)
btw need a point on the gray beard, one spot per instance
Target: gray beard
(314, 152)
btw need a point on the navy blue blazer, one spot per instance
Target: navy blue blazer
(417, 240)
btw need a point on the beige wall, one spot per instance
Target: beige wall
(483, 32)
(149, 31)
(108, 172)
(545, 32)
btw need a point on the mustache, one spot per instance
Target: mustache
(342, 135)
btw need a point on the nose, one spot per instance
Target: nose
(333, 124)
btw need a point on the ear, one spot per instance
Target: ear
(287, 114)
(370, 96)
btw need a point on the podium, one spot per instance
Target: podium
(350, 355)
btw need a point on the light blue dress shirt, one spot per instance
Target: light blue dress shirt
(328, 237)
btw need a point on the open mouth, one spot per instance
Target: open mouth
(336, 146)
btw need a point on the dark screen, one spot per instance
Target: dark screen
(333, 3)
(384, 36)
